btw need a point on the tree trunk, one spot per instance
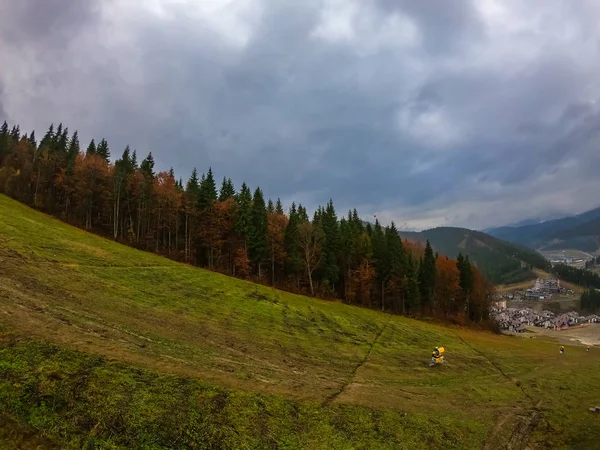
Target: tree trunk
(273, 264)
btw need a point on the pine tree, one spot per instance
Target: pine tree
(243, 222)
(61, 141)
(103, 150)
(32, 140)
(72, 152)
(147, 167)
(279, 207)
(258, 238)
(466, 280)
(427, 276)
(331, 246)
(4, 141)
(48, 139)
(208, 190)
(134, 161)
(91, 150)
(227, 190)
(192, 187)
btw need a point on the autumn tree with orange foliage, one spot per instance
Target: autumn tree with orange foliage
(447, 288)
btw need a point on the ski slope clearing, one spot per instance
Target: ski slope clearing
(102, 345)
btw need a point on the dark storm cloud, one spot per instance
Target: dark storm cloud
(427, 113)
(48, 22)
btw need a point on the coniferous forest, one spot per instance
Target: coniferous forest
(234, 230)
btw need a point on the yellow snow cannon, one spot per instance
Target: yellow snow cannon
(437, 356)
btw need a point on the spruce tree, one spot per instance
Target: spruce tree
(258, 238)
(208, 190)
(227, 190)
(427, 276)
(331, 247)
(72, 152)
(192, 187)
(32, 140)
(279, 207)
(61, 142)
(270, 207)
(48, 139)
(4, 139)
(243, 222)
(134, 161)
(91, 150)
(103, 150)
(147, 167)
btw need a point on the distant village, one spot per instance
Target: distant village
(516, 319)
(543, 289)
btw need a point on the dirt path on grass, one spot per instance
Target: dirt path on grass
(352, 378)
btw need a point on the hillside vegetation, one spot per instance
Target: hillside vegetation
(579, 232)
(235, 232)
(104, 346)
(500, 261)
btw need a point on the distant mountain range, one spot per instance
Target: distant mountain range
(502, 262)
(579, 232)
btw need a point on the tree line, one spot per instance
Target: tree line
(236, 231)
(582, 277)
(590, 301)
(595, 261)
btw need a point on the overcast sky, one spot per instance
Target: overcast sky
(431, 112)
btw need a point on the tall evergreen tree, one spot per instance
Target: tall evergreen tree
(227, 190)
(91, 149)
(103, 150)
(258, 239)
(61, 141)
(243, 222)
(193, 185)
(72, 152)
(427, 276)
(330, 270)
(279, 207)
(48, 139)
(208, 190)
(270, 207)
(147, 166)
(32, 140)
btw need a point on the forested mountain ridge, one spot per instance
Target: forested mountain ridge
(502, 262)
(236, 232)
(578, 232)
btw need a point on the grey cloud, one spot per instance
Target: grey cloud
(308, 119)
(445, 25)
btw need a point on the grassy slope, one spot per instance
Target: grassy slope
(105, 345)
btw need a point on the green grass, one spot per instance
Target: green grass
(103, 346)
